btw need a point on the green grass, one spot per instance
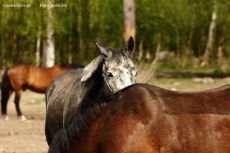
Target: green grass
(187, 84)
(181, 79)
(35, 102)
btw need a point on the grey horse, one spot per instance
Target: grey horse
(107, 74)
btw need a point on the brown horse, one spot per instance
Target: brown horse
(22, 76)
(149, 119)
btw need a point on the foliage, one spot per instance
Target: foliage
(81, 22)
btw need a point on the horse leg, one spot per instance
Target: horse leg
(16, 102)
(5, 97)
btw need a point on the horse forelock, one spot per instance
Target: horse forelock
(90, 68)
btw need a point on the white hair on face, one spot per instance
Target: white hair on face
(90, 68)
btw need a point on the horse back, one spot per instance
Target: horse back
(40, 78)
(214, 101)
(143, 119)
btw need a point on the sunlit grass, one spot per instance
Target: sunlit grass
(187, 84)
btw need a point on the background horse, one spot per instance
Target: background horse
(110, 72)
(22, 76)
(149, 119)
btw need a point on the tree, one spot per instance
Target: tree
(128, 19)
(50, 49)
(209, 45)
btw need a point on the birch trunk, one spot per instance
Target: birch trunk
(221, 42)
(38, 45)
(50, 57)
(209, 45)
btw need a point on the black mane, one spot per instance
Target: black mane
(75, 127)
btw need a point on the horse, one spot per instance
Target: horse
(20, 77)
(107, 74)
(150, 119)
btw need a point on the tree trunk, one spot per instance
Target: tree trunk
(70, 50)
(38, 45)
(14, 43)
(209, 45)
(79, 31)
(70, 55)
(128, 19)
(220, 44)
(50, 54)
(44, 53)
(3, 52)
(140, 55)
(187, 50)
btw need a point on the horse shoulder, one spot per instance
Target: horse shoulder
(18, 75)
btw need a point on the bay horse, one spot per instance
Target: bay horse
(107, 74)
(20, 77)
(150, 119)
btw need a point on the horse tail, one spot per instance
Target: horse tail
(6, 91)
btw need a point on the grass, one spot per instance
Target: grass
(182, 79)
(35, 101)
(187, 84)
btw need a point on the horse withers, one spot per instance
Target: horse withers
(149, 119)
(107, 74)
(22, 76)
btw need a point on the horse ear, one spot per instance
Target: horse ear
(101, 50)
(129, 45)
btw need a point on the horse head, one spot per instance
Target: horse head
(118, 69)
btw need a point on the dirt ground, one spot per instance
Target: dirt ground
(17, 136)
(28, 136)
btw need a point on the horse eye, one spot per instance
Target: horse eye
(109, 74)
